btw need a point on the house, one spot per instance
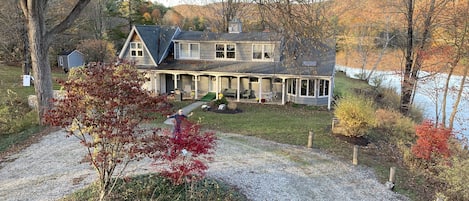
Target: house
(198, 62)
(70, 59)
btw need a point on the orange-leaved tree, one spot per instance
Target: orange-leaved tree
(104, 108)
(432, 141)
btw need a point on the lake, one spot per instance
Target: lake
(428, 93)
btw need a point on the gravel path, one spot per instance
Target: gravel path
(262, 170)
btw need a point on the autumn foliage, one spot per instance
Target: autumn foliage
(431, 141)
(104, 107)
(187, 154)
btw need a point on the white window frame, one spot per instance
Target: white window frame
(291, 87)
(225, 51)
(323, 87)
(136, 49)
(308, 89)
(264, 55)
(61, 61)
(191, 53)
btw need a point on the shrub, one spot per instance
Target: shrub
(399, 127)
(15, 115)
(432, 141)
(97, 50)
(389, 99)
(456, 179)
(356, 115)
(232, 106)
(220, 101)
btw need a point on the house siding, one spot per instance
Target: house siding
(75, 59)
(145, 60)
(308, 100)
(243, 50)
(65, 61)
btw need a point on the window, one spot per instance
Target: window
(263, 52)
(307, 88)
(323, 87)
(311, 88)
(136, 49)
(189, 50)
(304, 88)
(292, 86)
(253, 79)
(225, 51)
(61, 61)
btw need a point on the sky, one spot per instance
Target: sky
(170, 3)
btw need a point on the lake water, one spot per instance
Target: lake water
(427, 95)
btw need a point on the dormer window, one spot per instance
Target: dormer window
(262, 52)
(225, 51)
(136, 49)
(189, 50)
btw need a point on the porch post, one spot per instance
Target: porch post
(157, 80)
(238, 80)
(175, 81)
(217, 87)
(260, 88)
(329, 101)
(283, 91)
(196, 87)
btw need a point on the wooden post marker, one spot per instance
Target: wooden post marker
(392, 178)
(355, 155)
(310, 139)
(392, 175)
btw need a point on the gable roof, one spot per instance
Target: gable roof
(156, 40)
(212, 36)
(68, 52)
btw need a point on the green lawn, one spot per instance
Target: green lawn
(11, 80)
(288, 124)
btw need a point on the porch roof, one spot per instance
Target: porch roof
(238, 67)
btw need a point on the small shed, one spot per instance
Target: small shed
(70, 59)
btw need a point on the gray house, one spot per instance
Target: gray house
(241, 65)
(70, 59)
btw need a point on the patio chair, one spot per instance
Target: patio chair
(246, 93)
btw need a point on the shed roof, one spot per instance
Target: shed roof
(244, 67)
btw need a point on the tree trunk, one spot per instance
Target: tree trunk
(34, 13)
(445, 94)
(407, 83)
(412, 69)
(458, 99)
(26, 53)
(39, 41)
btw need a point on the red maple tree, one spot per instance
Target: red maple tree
(432, 141)
(104, 107)
(188, 154)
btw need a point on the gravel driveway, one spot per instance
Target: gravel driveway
(262, 170)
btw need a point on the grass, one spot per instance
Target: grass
(154, 187)
(344, 85)
(281, 123)
(11, 79)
